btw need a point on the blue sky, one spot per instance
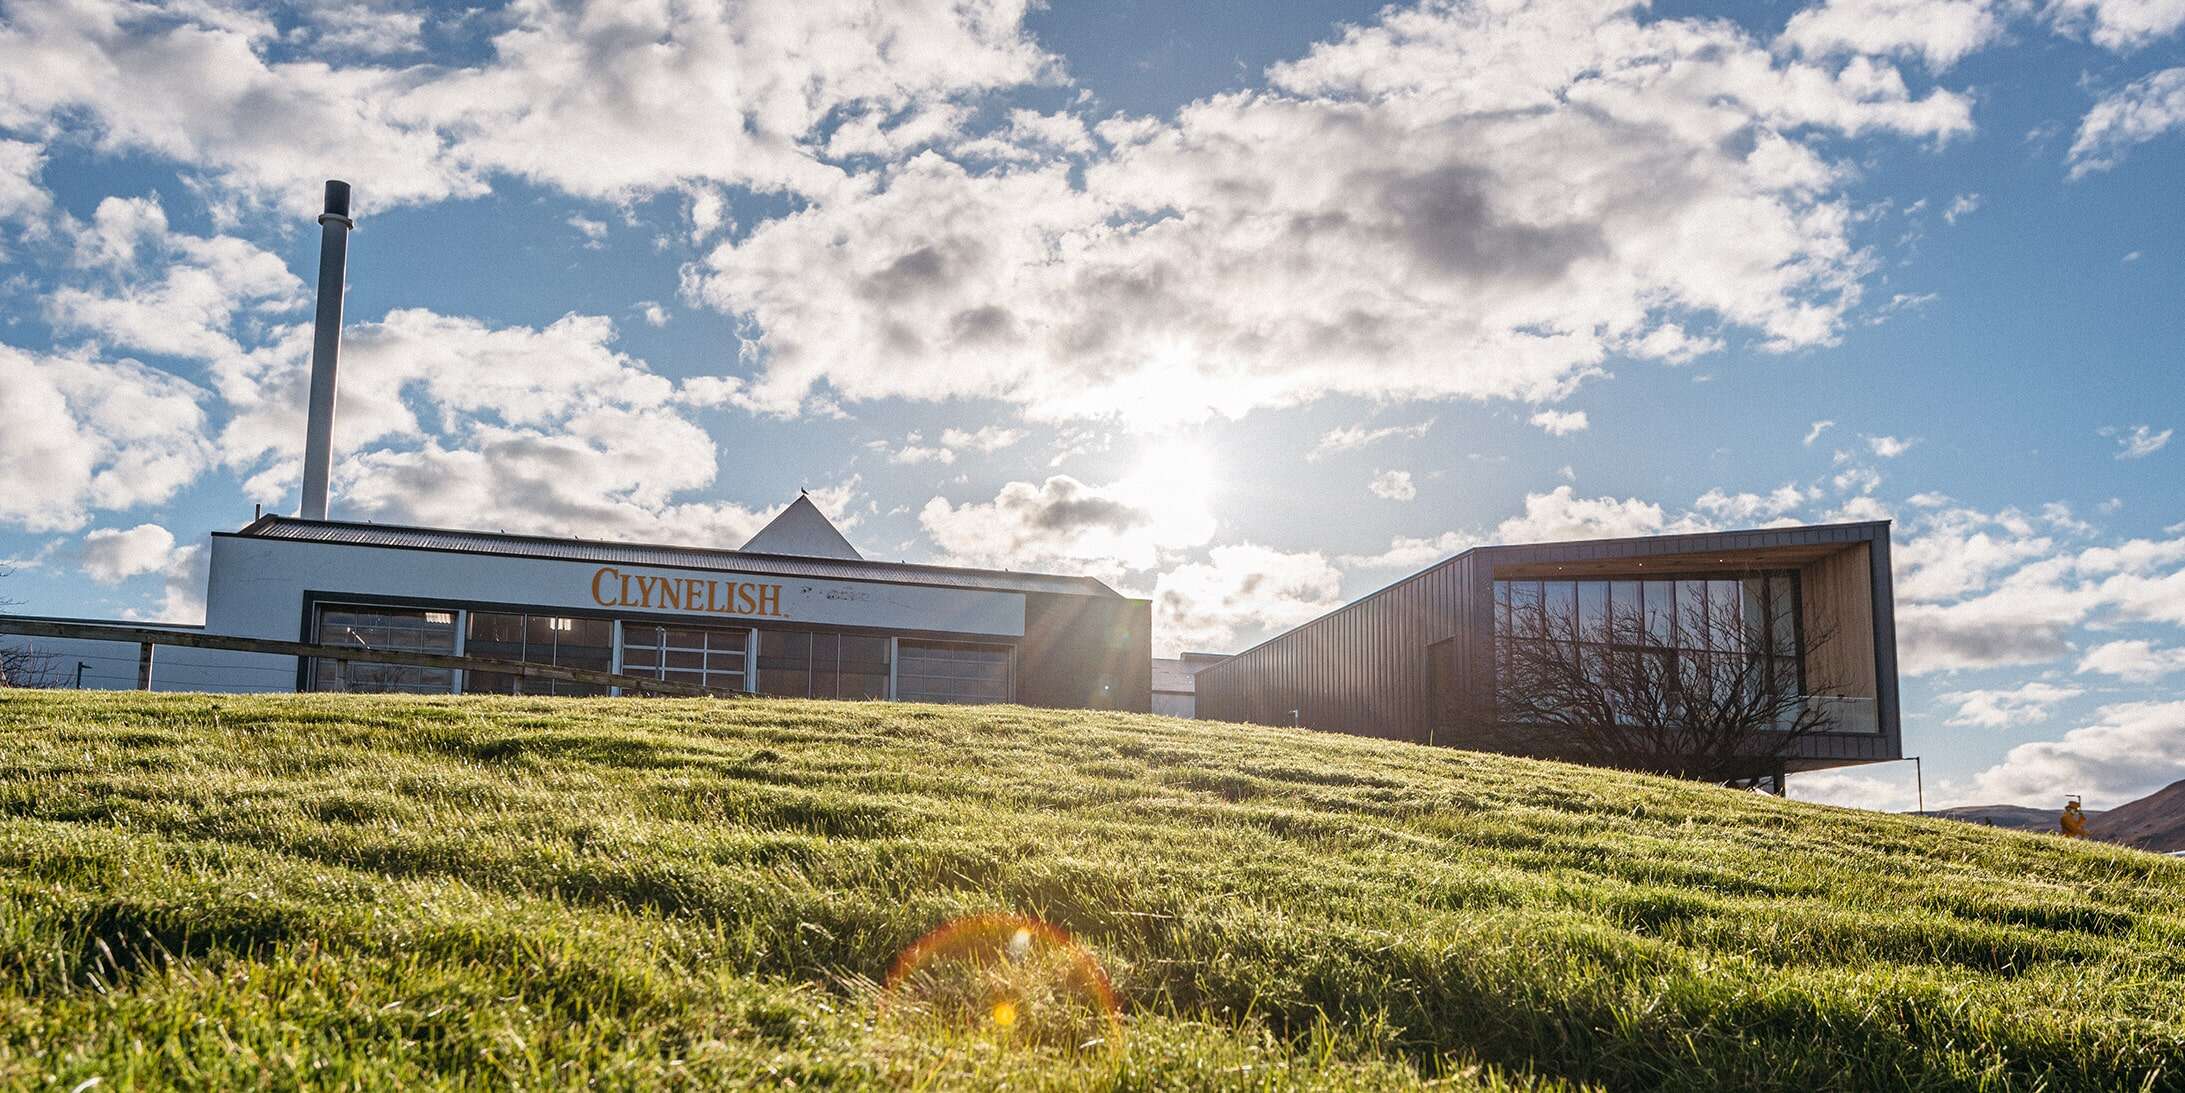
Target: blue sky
(1250, 310)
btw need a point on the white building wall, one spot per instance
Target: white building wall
(257, 589)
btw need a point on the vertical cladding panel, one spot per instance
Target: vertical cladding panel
(1360, 670)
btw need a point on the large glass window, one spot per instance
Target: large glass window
(860, 668)
(947, 671)
(1714, 628)
(801, 664)
(413, 630)
(537, 639)
(785, 663)
(702, 656)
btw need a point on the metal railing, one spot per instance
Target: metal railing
(146, 638)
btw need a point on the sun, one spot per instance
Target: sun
(1173, 483)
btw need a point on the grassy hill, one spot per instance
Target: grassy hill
(224, 892)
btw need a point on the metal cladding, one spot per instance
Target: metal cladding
(318, 452)
(1403, 661)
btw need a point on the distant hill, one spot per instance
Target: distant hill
(2154, 822)
(2014, 817)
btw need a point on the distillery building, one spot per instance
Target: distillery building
(1423, 659)
(795, 612)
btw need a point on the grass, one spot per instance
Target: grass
(222, 892)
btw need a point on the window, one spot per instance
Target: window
(785, 663)
(699, 656)
(938, 671)
(861, 670)
(1714, 628)
(537, 639)
(801, 664)
(412, 630)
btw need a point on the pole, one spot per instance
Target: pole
(318, 447)
(144, 666)
(80, 666)
(1919, 784)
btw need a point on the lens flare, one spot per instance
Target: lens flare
(1004, 976)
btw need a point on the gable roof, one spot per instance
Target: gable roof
(803, 530)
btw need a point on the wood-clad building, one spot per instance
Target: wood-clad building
(1416, 660)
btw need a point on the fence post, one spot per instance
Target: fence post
(144, 666)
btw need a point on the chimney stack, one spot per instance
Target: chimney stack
(318, 446)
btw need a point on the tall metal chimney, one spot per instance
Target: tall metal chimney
(318, 445)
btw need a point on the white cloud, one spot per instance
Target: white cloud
(1242, 592)
(1940, 31)
(1962, 205)
(111, 555)
(448, 420)
(986, 439)
(1561, 514)
(1065, 525)
(914, 451)
(1412, 553)
(1749, 508)
(2120, 25)
(2131, 749)
(1407, 158)
(1956, 552)
(1815, 432)
(83, 434)
(653, 314)
(1888, 447)
(169, 293)
(1352, 437)
(21, 195)
(600, 99)
(351, 29)
(593, 231)
(2029, 615)
(2133, 661)
(1560, 422)
(1393, 486)
(182, 593)
(2139, 112)
(1670, 342)
(2026, 704)
(461, 371)
(2137, 442)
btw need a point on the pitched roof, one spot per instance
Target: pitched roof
(594, 550)
(803, 530)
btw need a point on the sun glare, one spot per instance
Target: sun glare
(1174, 479)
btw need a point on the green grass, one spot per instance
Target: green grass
(348, 892)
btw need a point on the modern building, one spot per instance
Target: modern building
(1173, 692)
(796, 612)
(1418, 660)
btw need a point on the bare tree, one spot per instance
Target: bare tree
(1711, 704)
(20, 665)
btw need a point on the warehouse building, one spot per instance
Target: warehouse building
(796, 612)
(1418, 660)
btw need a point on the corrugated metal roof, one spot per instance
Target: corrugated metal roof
(680, 557)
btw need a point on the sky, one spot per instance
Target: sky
(1248, 309)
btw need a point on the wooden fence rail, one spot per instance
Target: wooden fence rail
(146, 637)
